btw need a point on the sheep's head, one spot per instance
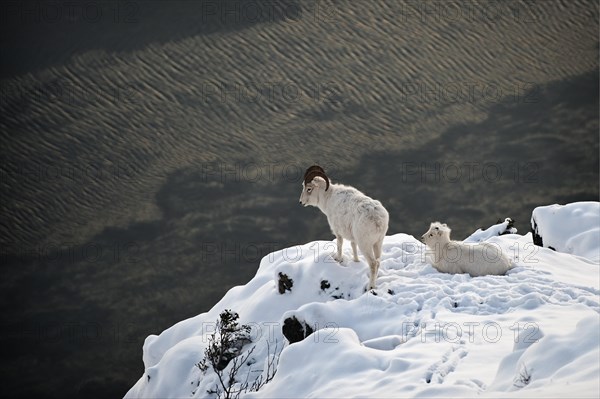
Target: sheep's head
(437, 232)
(315, 182)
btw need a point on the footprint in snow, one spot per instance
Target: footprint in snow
(439, 370)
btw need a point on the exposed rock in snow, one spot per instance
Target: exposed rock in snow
(572, 228)
(506, 227)
(295, 330)
(285, 283)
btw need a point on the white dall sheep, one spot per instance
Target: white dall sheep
(456, 257)
(351, 215)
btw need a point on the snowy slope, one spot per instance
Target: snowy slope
(572, 228)
(532, 333)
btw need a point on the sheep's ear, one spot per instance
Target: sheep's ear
(318, 182)
(445, 225)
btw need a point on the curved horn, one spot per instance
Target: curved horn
(313, 168)
(316, 173)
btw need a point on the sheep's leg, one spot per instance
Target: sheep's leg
(373, 264)
(340, 244)
(354, 251)
(377, 249)
(377, 252)
(374, 271)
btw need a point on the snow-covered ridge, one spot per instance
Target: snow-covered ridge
(572, 228)
(531, 333)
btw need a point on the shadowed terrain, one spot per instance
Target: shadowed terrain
(150, 158)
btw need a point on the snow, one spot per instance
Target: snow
(495, 230)
(421, 333)
(572, 228)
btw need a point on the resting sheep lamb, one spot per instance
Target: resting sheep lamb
(351, 215)
(456, 257)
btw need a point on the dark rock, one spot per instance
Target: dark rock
(391, 292)
(537, 239)
(510, 225)
(285, 283)
(295, 330)
(325, 285)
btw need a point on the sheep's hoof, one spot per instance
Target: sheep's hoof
(338, 259)
(356, 260)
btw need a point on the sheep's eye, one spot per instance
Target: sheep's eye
(437, 228)
(431, 235)
(308, 190)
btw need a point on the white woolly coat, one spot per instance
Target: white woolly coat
(353, 215)
(457, 257)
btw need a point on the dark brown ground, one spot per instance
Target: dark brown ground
(151, 153)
